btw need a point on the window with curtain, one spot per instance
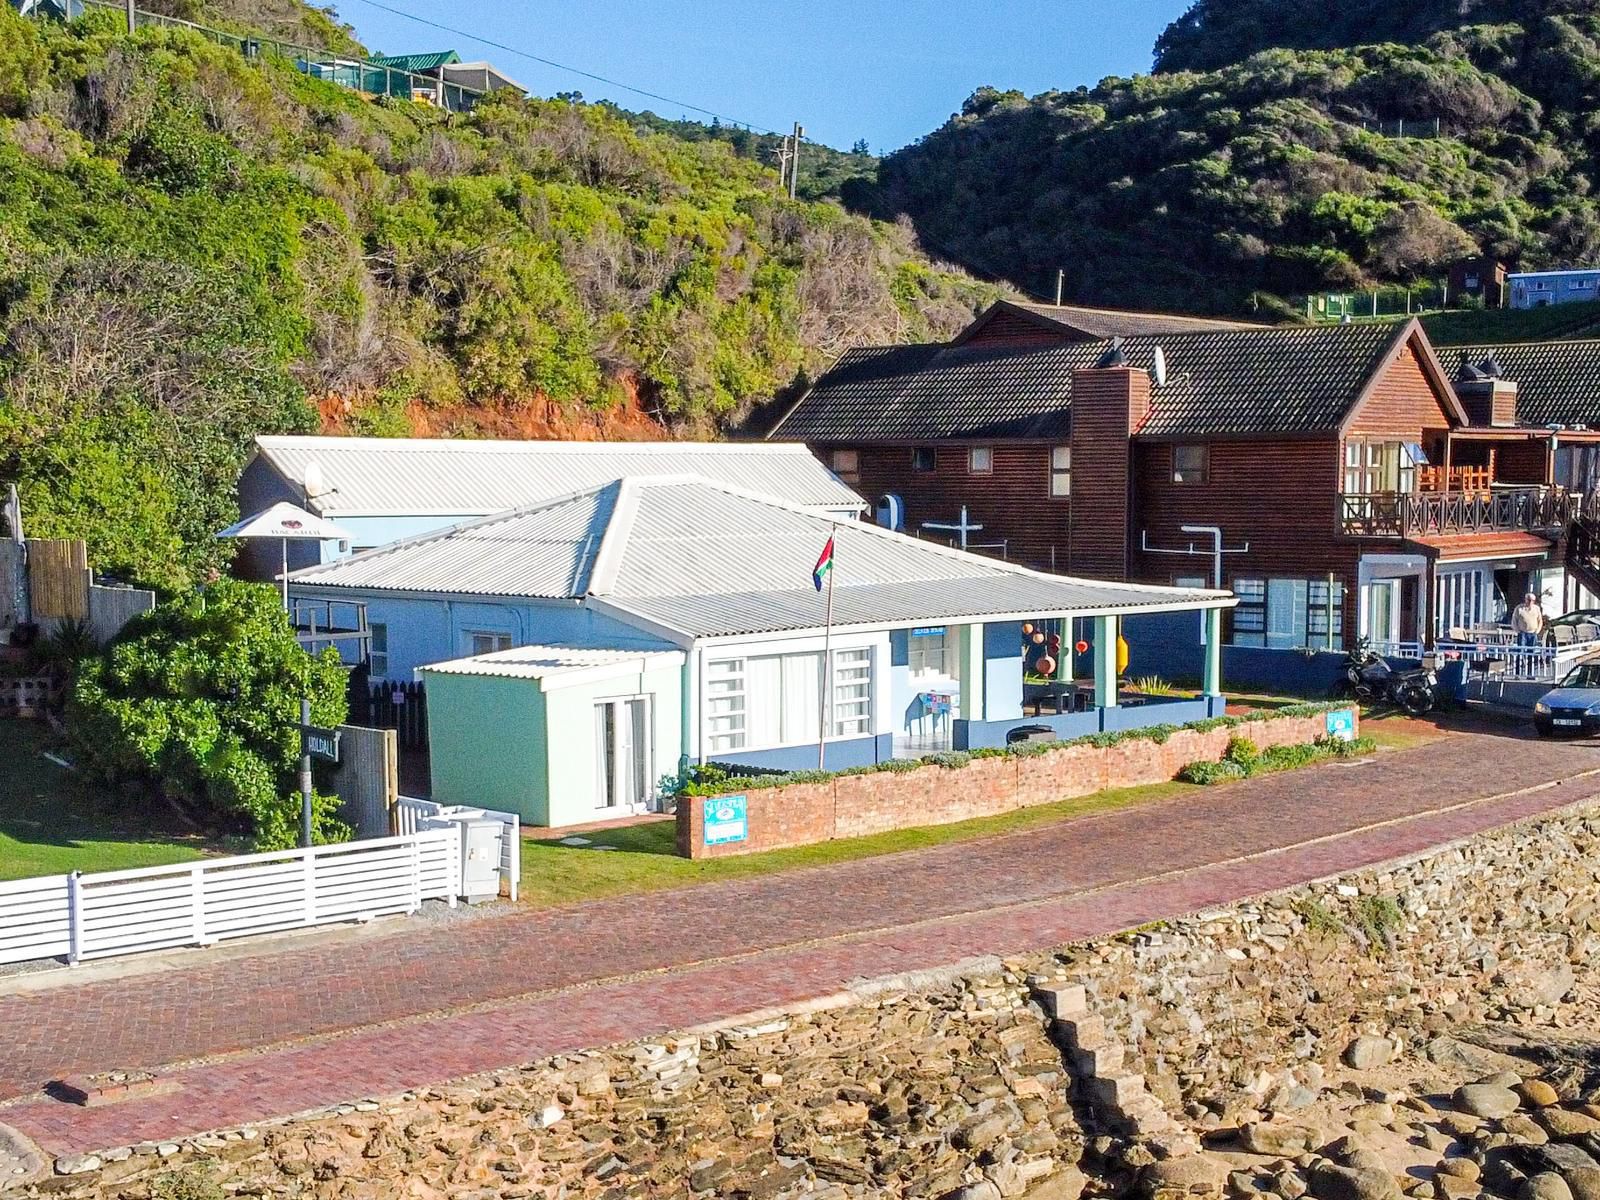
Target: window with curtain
(1061, 470)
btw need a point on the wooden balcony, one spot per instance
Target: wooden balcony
(1431, 514)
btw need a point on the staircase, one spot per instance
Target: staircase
(1115, 1094)
(1583, 549)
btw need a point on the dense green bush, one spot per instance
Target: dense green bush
(1283, 147)
(1243, 759)
(198, 704)
(196, 247)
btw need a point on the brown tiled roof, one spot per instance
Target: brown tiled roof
(1557, 382)
(1468, 547)
(1295, 380)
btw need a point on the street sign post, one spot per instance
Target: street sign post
(316, 741)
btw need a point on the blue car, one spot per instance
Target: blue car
(1573, 708)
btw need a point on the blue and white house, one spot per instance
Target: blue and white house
(723, 577)
(1540, 289)
(386, 489)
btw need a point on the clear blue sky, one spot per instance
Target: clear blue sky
(885, 70)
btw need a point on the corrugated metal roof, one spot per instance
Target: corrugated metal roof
(451, 477)
(1300, 379)
(1022, 594)
(546, 662)
(546, 551)
(427, 61)
(704, 559)
(1557, 382)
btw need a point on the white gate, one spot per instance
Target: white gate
(195, 904)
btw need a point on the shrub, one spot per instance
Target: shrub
(198, 704)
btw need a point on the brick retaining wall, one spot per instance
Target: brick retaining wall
(800, 814)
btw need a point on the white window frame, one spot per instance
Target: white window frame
(726, 702)
(927, 652)
(645, 752)
(1282, 613)
(850, 705)
(980, 460)
(726, 705)
(1061, 471)
(377, 657)
(499, 639)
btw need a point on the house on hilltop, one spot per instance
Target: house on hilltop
(1339, 479)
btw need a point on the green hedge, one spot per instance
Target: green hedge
(1243, 759)
(711, 780)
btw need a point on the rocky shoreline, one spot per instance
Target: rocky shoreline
(1426, 1029)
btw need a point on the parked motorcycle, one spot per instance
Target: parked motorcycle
(1368, 677)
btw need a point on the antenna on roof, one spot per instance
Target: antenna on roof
(1113, 357)
(315, 485)
(1161, 367)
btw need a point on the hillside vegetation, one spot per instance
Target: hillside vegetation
(1262, 160)
(195, 247)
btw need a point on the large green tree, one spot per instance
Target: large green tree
(197, 705)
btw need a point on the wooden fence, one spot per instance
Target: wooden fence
(402, 707)
(107, 913)
(58, 578)
(368, 779)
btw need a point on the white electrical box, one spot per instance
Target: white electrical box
(480, 858)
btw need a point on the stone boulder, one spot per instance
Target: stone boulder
(1330, 1181)
(1546, 1185)
(1368, 1052)
(1279, 1141)
(1193, 1174)
(1488, 1100)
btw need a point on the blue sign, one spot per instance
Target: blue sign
(725, 820)
(1341, 725)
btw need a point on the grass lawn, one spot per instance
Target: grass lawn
(642, 858)
(52, 822)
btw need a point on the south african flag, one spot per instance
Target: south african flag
(824, 565)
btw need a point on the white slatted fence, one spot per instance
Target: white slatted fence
(411, 814)
(107, 913)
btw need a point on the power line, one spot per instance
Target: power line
(550, 62)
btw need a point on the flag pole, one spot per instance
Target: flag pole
(827, 660)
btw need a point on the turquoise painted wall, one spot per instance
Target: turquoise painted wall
(488, 744)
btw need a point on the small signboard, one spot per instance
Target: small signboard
(725, 820)
(1341, 725)
(320, 743)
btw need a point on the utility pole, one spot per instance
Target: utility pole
(783, 164)
(133, 18)
(794, 162)
(1061, 278)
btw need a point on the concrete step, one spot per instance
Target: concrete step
(1102, 1060)
(1118, 1091)
(1062, 999)
(1083, 1032)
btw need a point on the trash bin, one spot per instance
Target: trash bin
(1030, 733)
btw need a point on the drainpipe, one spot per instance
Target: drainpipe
(1216, 549)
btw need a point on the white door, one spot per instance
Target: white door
(622, 746)
(1383, 610)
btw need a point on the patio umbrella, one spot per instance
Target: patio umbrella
(286, 522)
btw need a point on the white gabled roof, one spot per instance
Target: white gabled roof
(690, 558)
(452, 477)
(559, 666)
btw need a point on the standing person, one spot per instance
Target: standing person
(1528, 620)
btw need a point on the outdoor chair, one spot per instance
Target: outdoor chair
(1563, 635)
(1588, 631)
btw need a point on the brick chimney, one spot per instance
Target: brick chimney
(1489, 398)
(1109, 402)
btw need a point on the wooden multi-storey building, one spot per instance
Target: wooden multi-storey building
(1338, 478)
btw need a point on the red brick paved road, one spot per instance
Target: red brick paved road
(539, 983)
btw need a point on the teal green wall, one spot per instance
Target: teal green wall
(486, 738)
(573, 786)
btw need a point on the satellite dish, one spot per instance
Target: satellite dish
(315, 485)
(1161, 367)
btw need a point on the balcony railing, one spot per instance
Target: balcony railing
(1429, 514)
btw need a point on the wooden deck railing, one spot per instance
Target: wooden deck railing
(1426, 514)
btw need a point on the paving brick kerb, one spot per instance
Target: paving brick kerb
(552, 981)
